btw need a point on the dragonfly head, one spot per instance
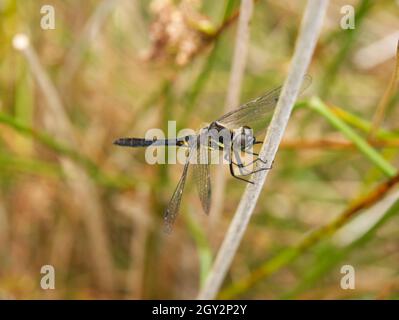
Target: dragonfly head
(243, 138)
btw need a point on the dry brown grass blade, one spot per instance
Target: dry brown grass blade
(288, 255)
(303, 144)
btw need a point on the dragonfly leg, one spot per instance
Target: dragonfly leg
(237, 177)
(257, 170)
(240, 165)
(255, 154)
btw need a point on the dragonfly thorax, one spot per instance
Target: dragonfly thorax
(216, 136)
(243, 138)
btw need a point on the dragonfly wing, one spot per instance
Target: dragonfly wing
(257, 110)
(202, 177)
(172, 209)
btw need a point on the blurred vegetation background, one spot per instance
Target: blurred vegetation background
(114, 68)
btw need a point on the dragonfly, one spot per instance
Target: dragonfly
(235, 132)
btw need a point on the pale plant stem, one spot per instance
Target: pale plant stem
(311, 26)
(240, 55)
(233, 96)
(88, 35)
(55, 117)
(85, 193)
(382, 106)
(142, 226)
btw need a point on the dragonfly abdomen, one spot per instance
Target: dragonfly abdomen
(140, 142)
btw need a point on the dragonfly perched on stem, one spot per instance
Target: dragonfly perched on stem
(231, 133)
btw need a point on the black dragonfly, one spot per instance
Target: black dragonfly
(232, 133)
